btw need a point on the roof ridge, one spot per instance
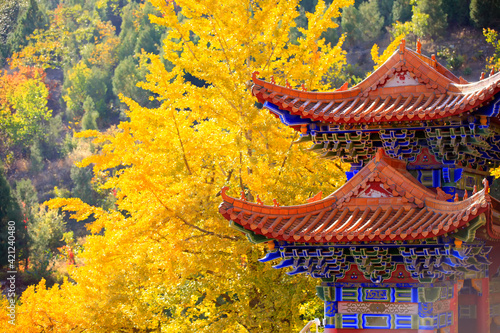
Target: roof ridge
(393, 173)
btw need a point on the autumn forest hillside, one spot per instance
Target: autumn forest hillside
(121, 120)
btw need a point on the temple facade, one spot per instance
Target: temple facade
(410, 243)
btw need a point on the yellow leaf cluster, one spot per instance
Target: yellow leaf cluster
(492, 38)
(380, 59)
(165, 259)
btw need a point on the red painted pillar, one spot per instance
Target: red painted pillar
(483, 307)
(454, 308)
(330, 330)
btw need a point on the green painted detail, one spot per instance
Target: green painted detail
(468, 234)
(429, 295)
(434, 294)
(467, 142)
(304, 138)
(375, 264)
(252, 236)
(353, 147)
(326, 293)
(350, 294)
(374, 321)
(331, 320)
(402, 294)
(320, 292)
(414, 322)
(469, 180)
(426, 321)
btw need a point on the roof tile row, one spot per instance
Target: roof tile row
(439, 94)
(414, 212)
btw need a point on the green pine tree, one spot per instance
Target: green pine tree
(11, 211)
(401, 11)
(485, 13)
(90, 115)
(429, 18)
(28, 20)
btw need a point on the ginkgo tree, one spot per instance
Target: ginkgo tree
(165, 260)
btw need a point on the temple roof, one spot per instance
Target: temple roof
(382, 202)
(408, 86)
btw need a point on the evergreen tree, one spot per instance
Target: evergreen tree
(350, 17)
(26, 194)
(386, 7)
(99, 89)
(29, 20)
(9, 10)
(90, 115)
(128, 32)
(127, 75)
(401, 11)
(82, 184)
(458, 12)
(10, 211)
(36, 157)
(369, 14)
(485, 13)
(429, 18)
(371, 21)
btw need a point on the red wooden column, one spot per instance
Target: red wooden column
(483, 306)
(454, 306)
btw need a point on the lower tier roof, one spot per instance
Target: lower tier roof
(382, 202)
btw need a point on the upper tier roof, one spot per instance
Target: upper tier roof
(408, 86)
(381, 202)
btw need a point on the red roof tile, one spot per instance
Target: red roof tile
(382, 202)
(409, 86)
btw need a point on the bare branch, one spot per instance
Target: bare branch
(284, 160)
(182, 145)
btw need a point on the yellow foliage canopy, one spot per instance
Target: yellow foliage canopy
(165, 260)
(380, 59)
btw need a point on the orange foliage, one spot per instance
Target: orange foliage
(11, 80)
(106, 44)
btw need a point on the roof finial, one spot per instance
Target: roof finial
(273, 81)
(474, 191)
(344, 87)
(275, 202)
(486, 185)
(402, 46)
(223, 191)
(243, 196)
(303, 86)
(419, 46)
(254, 75)
(259, 201)
(288, 84)
(492, 71)
(456, 197)
(466, 195)
(482, 76)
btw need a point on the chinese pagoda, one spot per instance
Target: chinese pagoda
(410, 243)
